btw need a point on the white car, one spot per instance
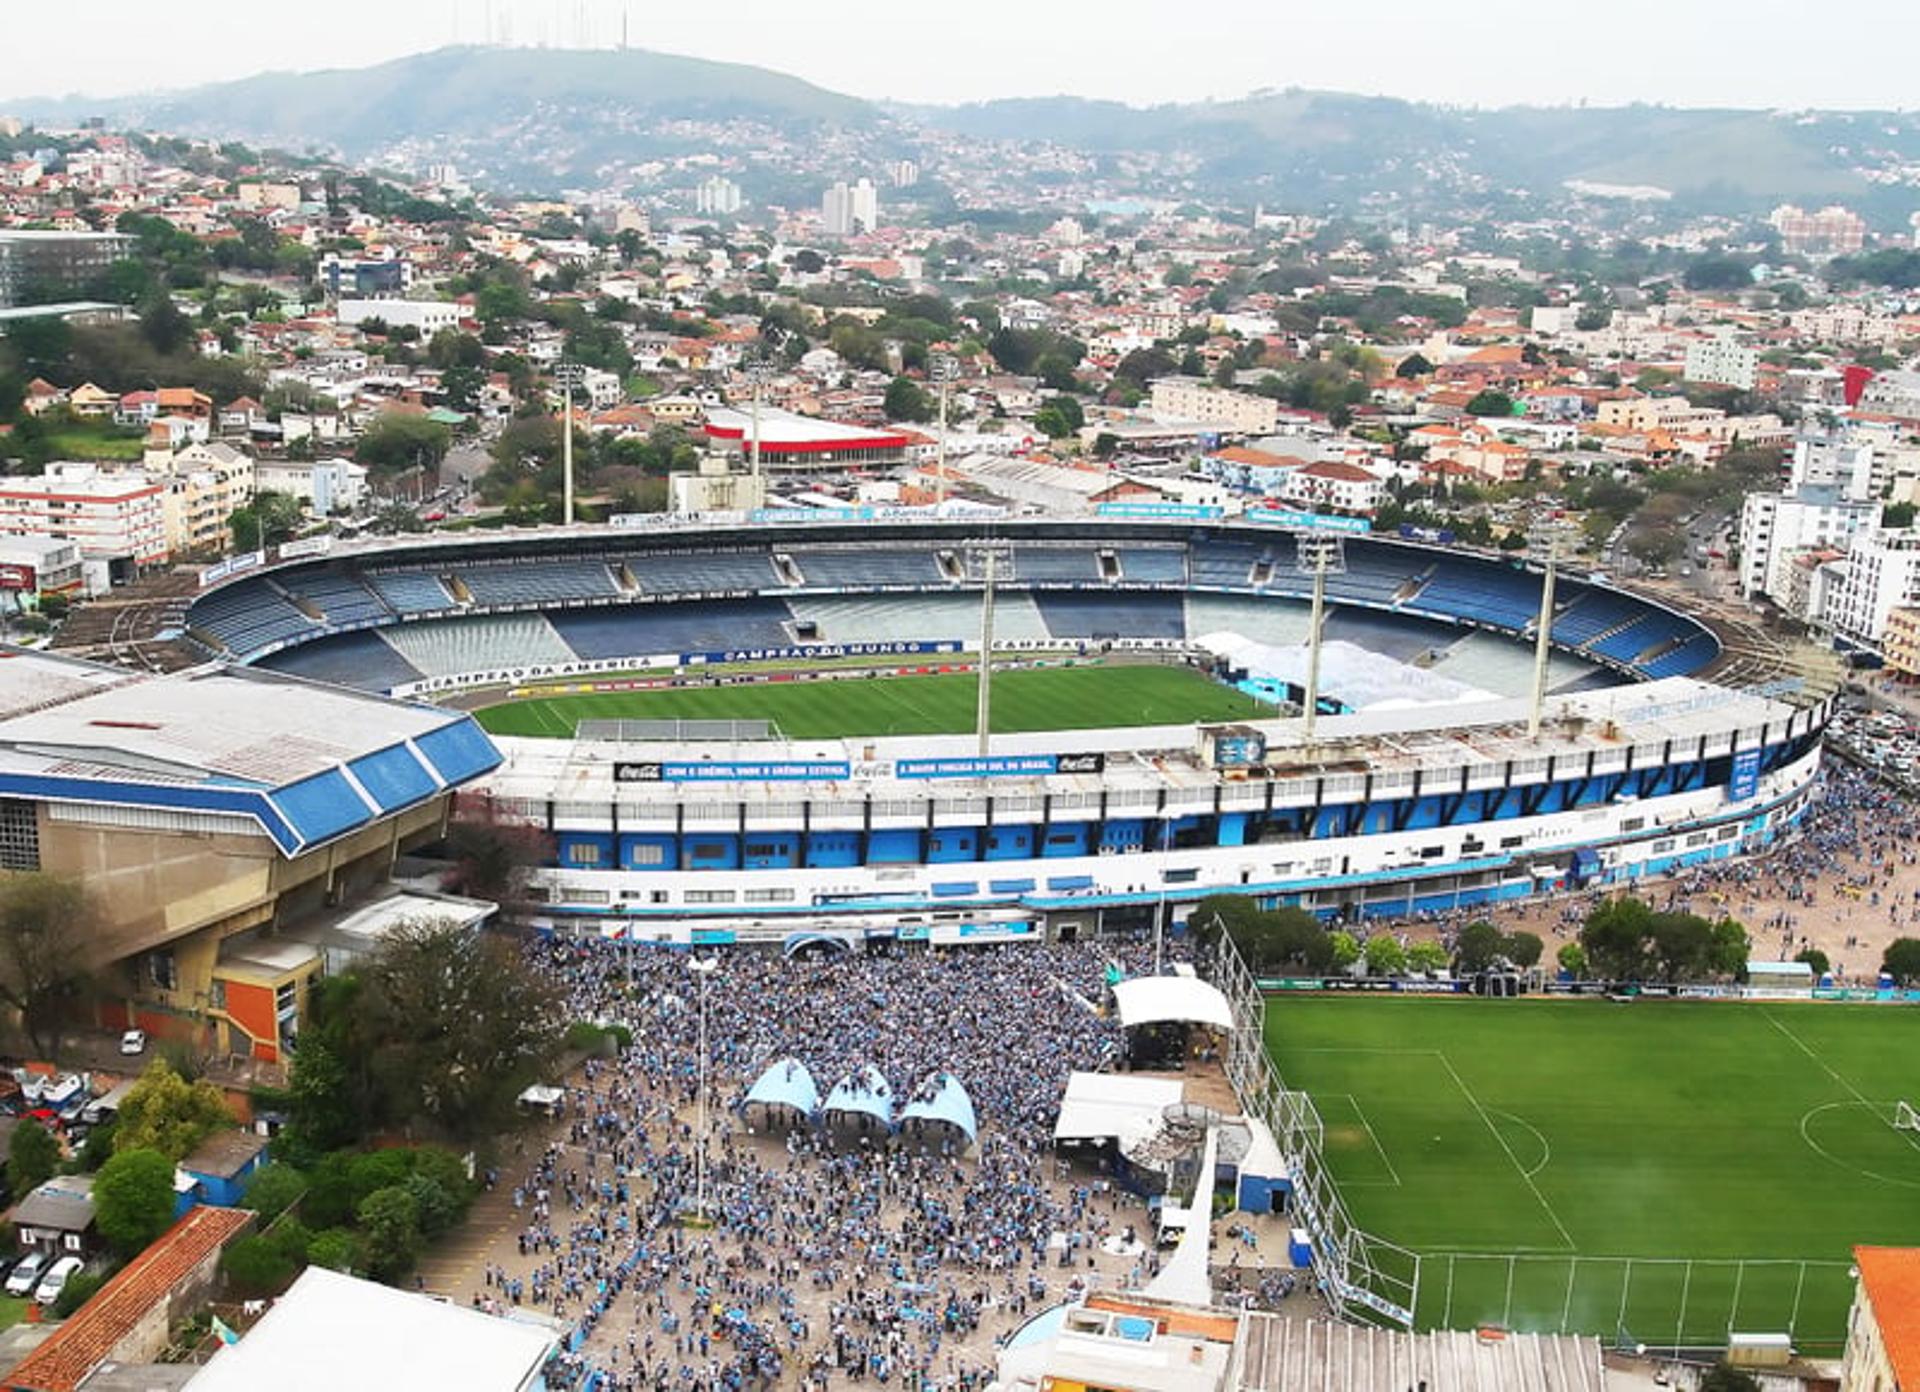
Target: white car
(26, 1275)
(134, 1041)
(56, 1279)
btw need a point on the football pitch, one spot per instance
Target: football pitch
(1060, 698)
(1662, 1172)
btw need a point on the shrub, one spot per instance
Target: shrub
(78, 1291)
(255, 1265)
(273, 1190)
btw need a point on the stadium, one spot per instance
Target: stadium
(1136, 765)
(769, 734)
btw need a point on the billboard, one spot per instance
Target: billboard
(18, 577)
(1309, 521)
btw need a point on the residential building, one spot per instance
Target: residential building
(65, 263)
(57, 1218)
(717, 197)
(118, 517)
(903, 173)
(1883, 1328)
(1195, 399)
(1723, 362)
(357, 276)
(1845, 462)
(1883, 574)
(260, 195)
(323, 486)
(1833, 231)
(39, 565)
(428, 316)
(849, 210)
(1776, 526)
(1334, 485)
(220, 1167)
(205, 485)
(1645, 413)
(1893, 394)
(1901, 644)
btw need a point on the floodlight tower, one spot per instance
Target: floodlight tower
(1550, 540)
(1318, 554)
(943, 369)
(702, 968)
(759, 372)
(568, 376)
(984, 561)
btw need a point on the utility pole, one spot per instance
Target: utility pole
(1549, 540)
(567, 376)
(983, 563)
(1318, 554)
(943, 369)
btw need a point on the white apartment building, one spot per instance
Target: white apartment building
(1333, 485)
(1849, 323)
(716, 196)
(1197, 400)
(428, 316)
(110, 516)
(847, 210)
(1893, 394)
(1774, 527)
(1723, 362)
(1853, 466)
(1883, 574)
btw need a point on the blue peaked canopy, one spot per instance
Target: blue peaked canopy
(948, 1102)
(864, 1092)
(786, 1083)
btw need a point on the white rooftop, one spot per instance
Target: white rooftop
(1105, 1106)
(1155, 1000)
(331, 1331)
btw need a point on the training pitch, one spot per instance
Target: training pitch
(1062, 698)
(1600, 1144)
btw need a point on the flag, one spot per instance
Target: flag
(227, 1336)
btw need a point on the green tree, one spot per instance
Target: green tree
(1060, 417)
(1895, 516)
(1385, 956)
(1523, 949)
(1427, 957)
(1816, 959)
(1615, 939)
(79, 1289)
(1345, 950)
(336, 1249)
(270, 519)
(274, 1188)
(165, 1113)
(164, 326)
(1479, 946)
(1413, 365)
(133, 1199)
(390, 1225)
(396, 441)
(1490, 403)
(906, 400)
(257, 1265)
(1723, 1377)
(32, 1156)
(1573, 960)
(46, 927)
(1901, 960)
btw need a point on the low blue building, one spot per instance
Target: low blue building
(217, 1170)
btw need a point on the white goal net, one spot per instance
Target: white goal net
(1905, 1118)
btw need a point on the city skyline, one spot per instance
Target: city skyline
(1706, 54)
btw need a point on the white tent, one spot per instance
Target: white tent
(1113, 1106)
(1153, 1000)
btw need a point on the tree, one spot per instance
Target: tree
(79, 1289)
(164, 1112)
(1490, 403)
(1478, 948)
(336, 1249)
(46, 924)
(1816, 959)
(390, 1222)
(274, 1189)
(257, 1265)
(270, 519)
(1523, 949)
(133, 1199)
(1061, 416)
(163, 325)
(32, 1156)
(906, 400)
(458, 1024)
(396, 441)
(1427, 957)
(1413, 365)
(1345, 950)
(1385, 956)
(492, 858)
(1901, 960)
(1614, 937)
(1573, 960)
(1723, 1377)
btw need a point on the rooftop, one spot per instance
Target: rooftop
(1890, 1276)
(80, 1345)
(787, 430)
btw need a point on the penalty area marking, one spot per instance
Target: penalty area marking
(1848, 1165)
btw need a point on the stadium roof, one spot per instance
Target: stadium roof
(306, 762)
(331, 1331)
(1890, 1276)
(784, 430)
(1157, 1000)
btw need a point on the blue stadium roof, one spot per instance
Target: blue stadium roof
(306, 763)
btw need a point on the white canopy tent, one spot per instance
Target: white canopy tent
(1113, 1106)
(1154, 1000)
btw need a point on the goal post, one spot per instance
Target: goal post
(1904, 1117)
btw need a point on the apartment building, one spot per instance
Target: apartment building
(1644, 413)
(67, 262)
(205, 485)
(1833, 231)
(1195, 399)
(1883, 574)
(1774, 527)
(1723, 362)
(115, 517)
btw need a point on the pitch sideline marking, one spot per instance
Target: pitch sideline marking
(1373, 1136)
(1831, 1071)
(1525, 1177)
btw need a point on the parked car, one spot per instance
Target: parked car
(56, 1279)
(134, 1041)
(26, 1276)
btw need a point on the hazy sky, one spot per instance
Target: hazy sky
(1762, 53)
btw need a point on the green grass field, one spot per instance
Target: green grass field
(1579, 1134)
(1063, 698)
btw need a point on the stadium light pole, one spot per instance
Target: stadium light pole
(1549, 540)
(1318, 554)
(983, 562)
(759, 372)
(702, 968)
(943, 369)
(567, 376)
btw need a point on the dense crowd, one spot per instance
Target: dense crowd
(827, 1255)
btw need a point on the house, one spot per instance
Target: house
(240, 415)
(220, 1167)
(57, 1218)
(90, 402)
(42, 396)
(130, 1320)
(1335, 484)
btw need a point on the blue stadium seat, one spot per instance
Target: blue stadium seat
(360, 660)
(641, 630)
(1078, 614)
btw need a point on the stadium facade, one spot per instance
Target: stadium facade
(1644, 762)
